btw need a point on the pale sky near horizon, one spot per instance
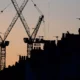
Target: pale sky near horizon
(60, 16)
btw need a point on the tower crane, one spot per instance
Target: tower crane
(31, 38)
(21, 17)
(5, 43)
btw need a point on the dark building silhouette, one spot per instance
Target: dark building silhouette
(55, 62)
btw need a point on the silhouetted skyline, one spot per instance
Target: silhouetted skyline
(55, 62)
(62, 16)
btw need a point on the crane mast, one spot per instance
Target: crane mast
(31, 39)
(4, 43)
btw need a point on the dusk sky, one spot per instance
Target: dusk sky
(60, 16)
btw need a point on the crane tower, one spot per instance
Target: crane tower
(31, 38)
(3, 42)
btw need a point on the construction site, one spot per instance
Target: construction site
(31, 41)
(44, 59)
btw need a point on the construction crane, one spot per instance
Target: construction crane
(21, 17)
(16, 18)
(32, 39)
(5, 43)
(33, 36)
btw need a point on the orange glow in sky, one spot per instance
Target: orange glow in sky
(60, 16)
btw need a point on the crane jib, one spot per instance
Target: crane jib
(14, 19)
(21, 17)
(19, 14)
(37, 27)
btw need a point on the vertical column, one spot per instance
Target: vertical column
(3, 58)
(0, 57)
(29, 48)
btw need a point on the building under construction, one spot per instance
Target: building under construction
(31, 37)
(59, 61)
(54, 62)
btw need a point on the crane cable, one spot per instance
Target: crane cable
(40, 14)
(6, 8)
(20, 0)
(37, 7)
